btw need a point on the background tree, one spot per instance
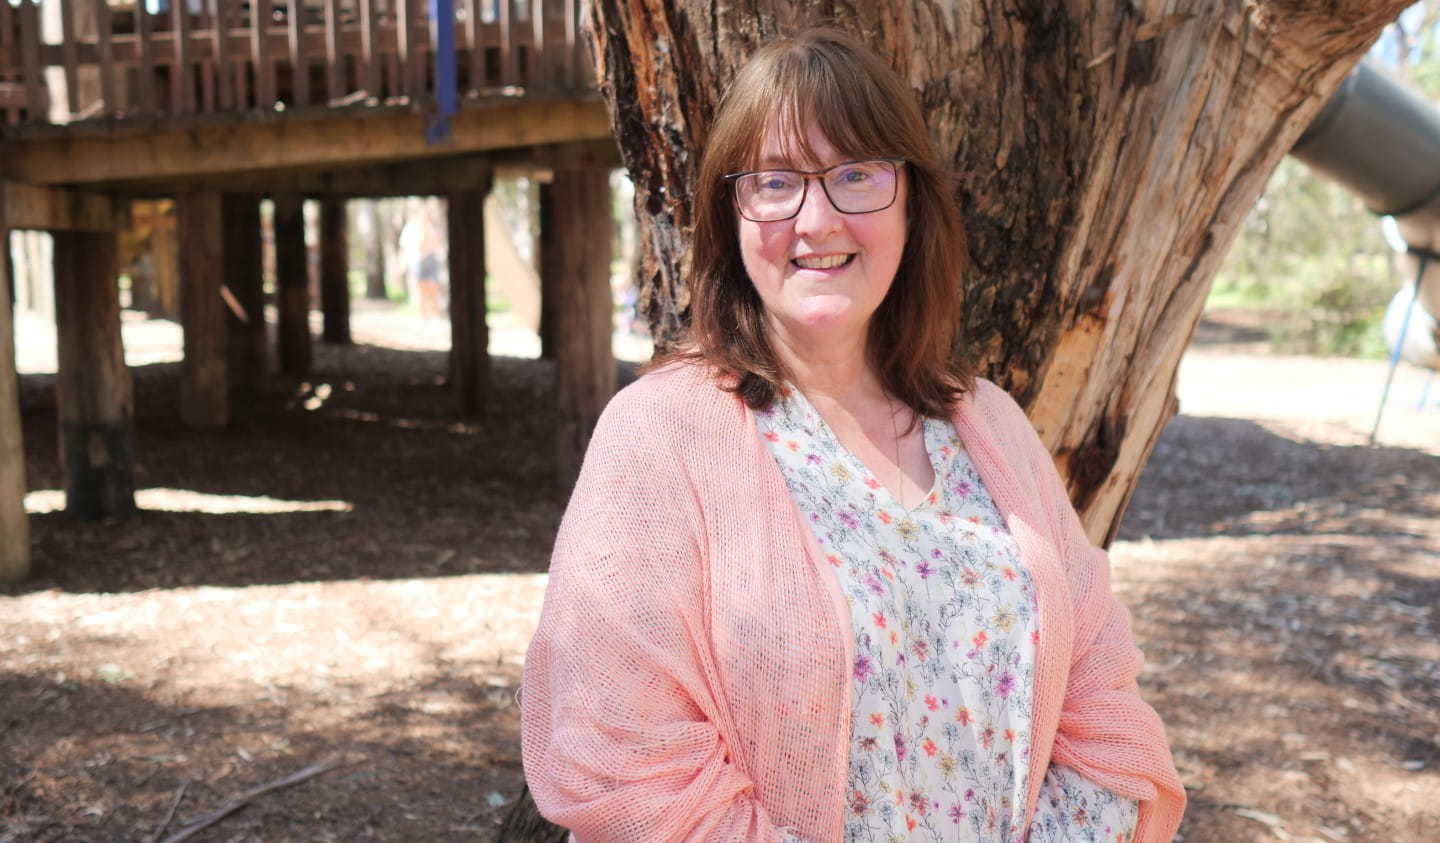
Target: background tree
(1310, 257)
(1107, 155)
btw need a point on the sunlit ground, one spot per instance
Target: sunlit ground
(382, 324)
(186, 500)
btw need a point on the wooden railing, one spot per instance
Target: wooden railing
(63, 61)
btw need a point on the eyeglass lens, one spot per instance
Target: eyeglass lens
(855, 187)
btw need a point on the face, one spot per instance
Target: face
(822, 274)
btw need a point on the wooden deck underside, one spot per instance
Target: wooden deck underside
(335, 150)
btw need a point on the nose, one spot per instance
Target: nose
(817, 214)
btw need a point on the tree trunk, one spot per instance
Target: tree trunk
(1107, 154)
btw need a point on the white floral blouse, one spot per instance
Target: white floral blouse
(944, 620)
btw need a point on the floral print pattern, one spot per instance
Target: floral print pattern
(943, 615)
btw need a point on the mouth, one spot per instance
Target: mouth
(823, 261)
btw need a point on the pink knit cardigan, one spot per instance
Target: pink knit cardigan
(690, 676)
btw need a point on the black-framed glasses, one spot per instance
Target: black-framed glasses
(853, 187)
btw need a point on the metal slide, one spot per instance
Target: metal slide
(1381, 140)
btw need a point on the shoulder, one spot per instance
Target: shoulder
(678, 401)
(993, 422)
(992, 404)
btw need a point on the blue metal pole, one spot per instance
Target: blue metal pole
(1424, 259)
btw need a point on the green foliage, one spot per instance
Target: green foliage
(1309, 253)
(1312, 256)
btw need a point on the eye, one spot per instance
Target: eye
(774, 181)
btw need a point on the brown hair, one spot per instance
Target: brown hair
(864, 109)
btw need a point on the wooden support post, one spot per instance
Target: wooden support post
(469, 334)
(550, 286)
(575, 234)
(334, 270)
(204, 391)
(292, 275)
(244, 279)
(94, 395)
(165, 265)
(14, 524)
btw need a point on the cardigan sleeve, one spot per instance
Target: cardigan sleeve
(621, 720)
(1106, 731)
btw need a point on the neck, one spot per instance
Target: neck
(838, 370)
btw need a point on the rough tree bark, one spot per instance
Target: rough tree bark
(1106, 153)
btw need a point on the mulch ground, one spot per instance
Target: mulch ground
(347, 576)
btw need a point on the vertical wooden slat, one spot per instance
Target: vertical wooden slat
(200, 22)
(369, 61)
(35, 111)
(507, 55)
(7, 40)
(299, 65)
(182, 79)
(69, 55)
(334, 59)
(423, 43)
(572, 43)
(477, 46)
(260, 55)
(207, 93)
(221, 12)
(404, 45)
(145, 75)
(106, 57)
(536, 66)
(240, 70)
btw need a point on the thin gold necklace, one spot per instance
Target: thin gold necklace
(895, 432)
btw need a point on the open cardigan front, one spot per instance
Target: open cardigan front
(690, 676)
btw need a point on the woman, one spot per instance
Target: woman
(816, 581)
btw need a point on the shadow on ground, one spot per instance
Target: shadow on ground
(1212, 476)
(361, 470)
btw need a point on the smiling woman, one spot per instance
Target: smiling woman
(817, 582)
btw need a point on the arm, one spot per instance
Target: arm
(621, 722)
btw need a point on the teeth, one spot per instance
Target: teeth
(827, 262)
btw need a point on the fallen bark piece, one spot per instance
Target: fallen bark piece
(215, 816)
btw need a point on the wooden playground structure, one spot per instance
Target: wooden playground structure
(218, 104)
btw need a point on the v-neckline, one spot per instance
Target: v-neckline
(813, 422)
